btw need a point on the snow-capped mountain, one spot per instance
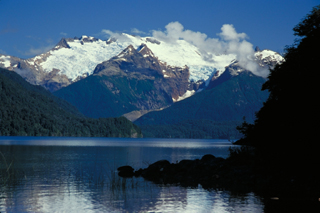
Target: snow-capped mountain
(73, 59)
(134, 63)
(268, 58)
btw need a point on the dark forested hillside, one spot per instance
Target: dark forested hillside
(28, 110)
(285, 131)
(194, 129)
(102, 96)
(211, 113)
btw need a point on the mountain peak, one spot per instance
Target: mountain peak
(127, 51)
(63, 43)
(85, 38)
(268, 57)
(145, 51)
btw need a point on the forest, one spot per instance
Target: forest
(283, 138)
(28, 110)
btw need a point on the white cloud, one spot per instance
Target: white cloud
(136, 31)
(229, 33)
(118, 36)
(228, 42)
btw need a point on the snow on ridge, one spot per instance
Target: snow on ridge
(183, 53)
(83, 57)
(184, 96)
(264, 54)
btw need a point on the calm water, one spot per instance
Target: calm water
(79, 175)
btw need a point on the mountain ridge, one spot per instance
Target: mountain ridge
(73, 59)
(130, 75)
(213, 113)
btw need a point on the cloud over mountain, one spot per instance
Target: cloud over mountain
(229, 41)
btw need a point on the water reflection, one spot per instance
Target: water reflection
(70, 177)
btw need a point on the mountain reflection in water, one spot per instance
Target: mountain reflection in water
(79, 174)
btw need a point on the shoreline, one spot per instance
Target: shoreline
(232, 174)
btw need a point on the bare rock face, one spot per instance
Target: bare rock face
(33, 72)
(148, 82)
(169, 82)
(62, 43)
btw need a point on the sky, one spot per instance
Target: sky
(29, 28)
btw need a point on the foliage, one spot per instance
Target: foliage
(231, 100)
(284, 132)
(104, 96)
(28, 110)
(194, 129)
(241, 155)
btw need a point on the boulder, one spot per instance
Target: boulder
(155, 170)
(125, 171)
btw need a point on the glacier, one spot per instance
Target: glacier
(83, 56)
(78, 57)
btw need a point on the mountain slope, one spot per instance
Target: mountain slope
(28, 110)
(39, 90)
(230, 101)
(133, 80)
(73, 59)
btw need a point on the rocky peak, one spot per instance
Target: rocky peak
(62, 43)
(145, 51)
(131, 60)
(268, 58)
(85, 38)
(130, 50)
(231, 71)
(111, 40)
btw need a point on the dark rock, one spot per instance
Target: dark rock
(111, 40)
(185, 164)
(63, 43)
(159, 164)
(125, 171)
(210, 172)
(154, 170)
(152, 40)
(138, 173)
(208, 157)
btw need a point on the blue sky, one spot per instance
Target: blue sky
(28, 28)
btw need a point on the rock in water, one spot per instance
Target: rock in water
(125, 171)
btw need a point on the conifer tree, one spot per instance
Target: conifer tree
(285, 130)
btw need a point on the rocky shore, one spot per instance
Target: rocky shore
(233, 174)
(209, 171)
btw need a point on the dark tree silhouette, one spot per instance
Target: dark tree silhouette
(284, 133)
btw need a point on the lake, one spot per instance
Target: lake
(52, 174)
